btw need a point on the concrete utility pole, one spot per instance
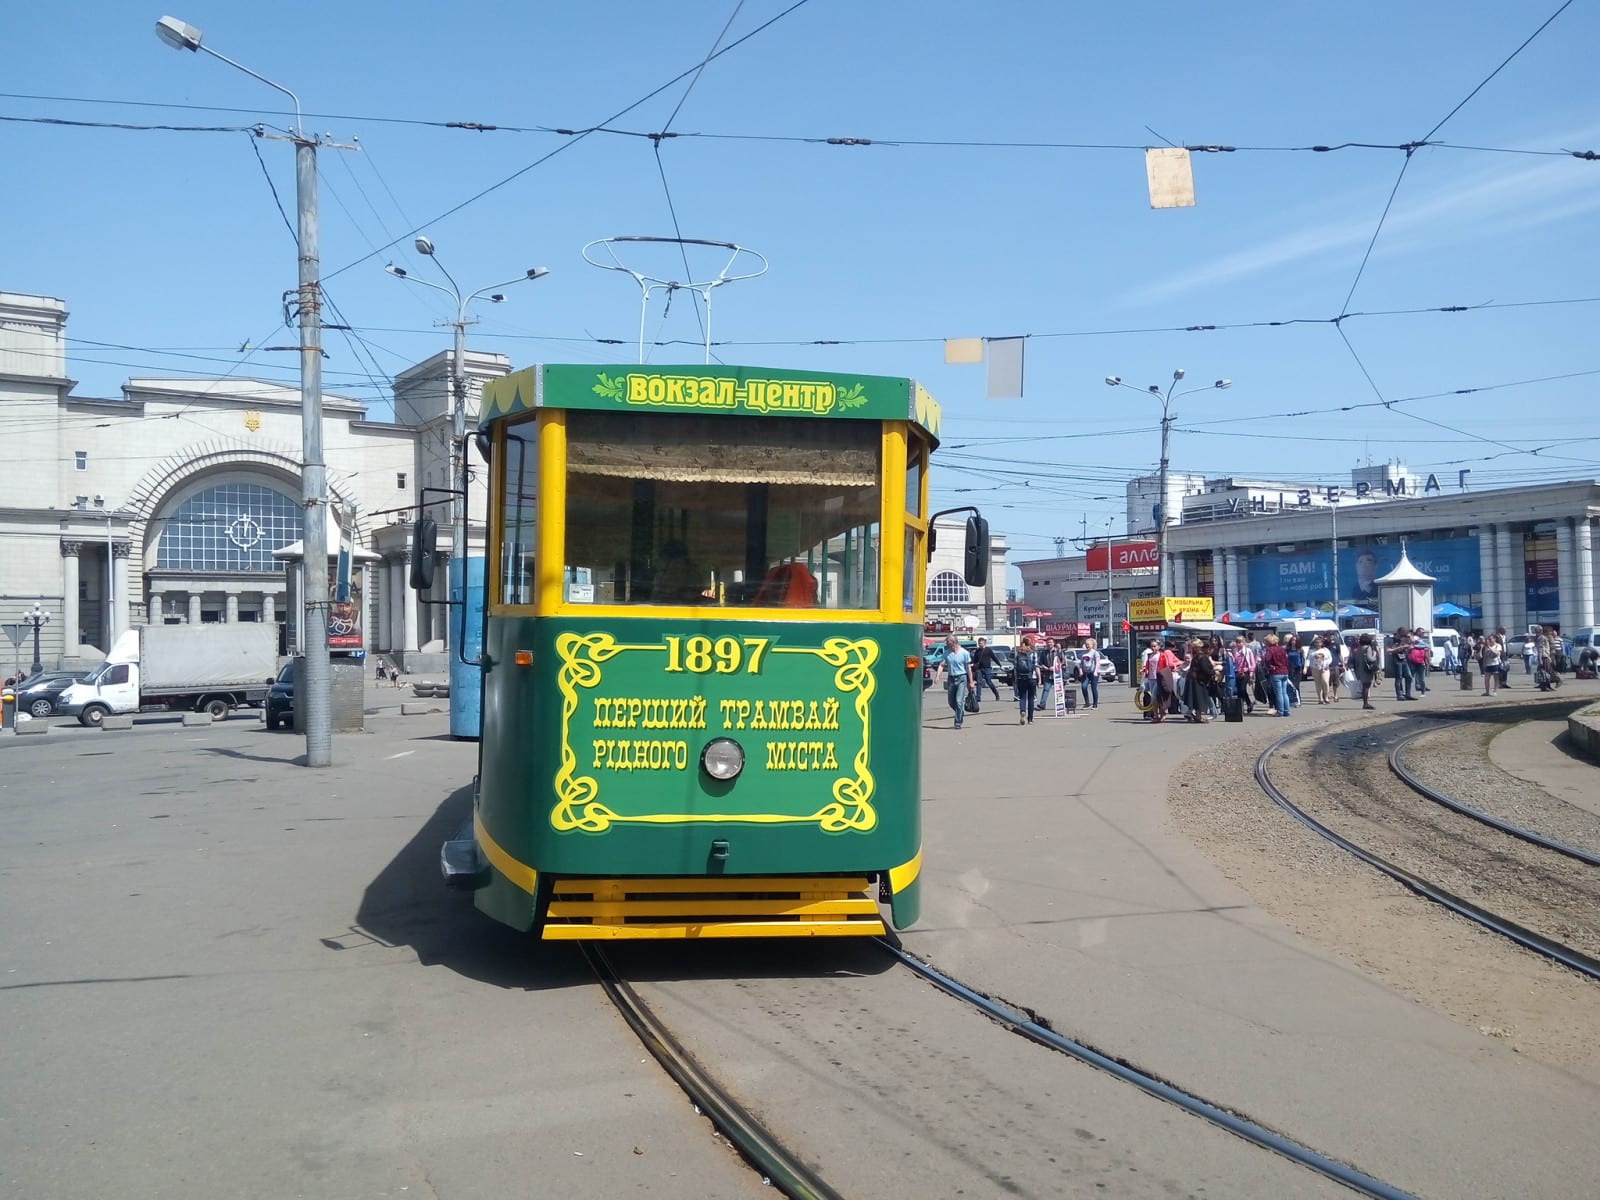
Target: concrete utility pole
(318, 683)
(1166, 399)
(458, 382)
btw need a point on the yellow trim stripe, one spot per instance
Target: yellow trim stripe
(687, 932)
(903, 876)
(519, 873)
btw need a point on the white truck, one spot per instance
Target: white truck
(190, 668)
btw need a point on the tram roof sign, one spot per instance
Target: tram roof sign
(757, 391)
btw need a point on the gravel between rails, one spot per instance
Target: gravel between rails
(1391, 935)
(1455, 760)
(1358, 796)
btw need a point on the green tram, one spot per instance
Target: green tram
(701, 658)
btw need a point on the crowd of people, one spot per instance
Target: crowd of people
(1034, 664)
(1200, 679)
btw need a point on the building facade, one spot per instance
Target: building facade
(168, 503)
(1511, 556)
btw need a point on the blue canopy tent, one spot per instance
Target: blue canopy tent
(1347, 611)
(1447, 610)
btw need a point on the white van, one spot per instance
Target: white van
(1306, 628)
(1442, 638)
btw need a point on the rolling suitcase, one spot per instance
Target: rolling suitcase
(1233, 709)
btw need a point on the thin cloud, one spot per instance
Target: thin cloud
(1491, 201)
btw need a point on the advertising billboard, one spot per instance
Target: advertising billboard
(1302, 579)
(1125, 556)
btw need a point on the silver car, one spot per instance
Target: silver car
(1069, 659)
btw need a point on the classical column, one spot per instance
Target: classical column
(381, 575)
(1511, 577)
(1220, 597)
(1489, 577)
(441, 591)
(408, 604)
(119, 581)
(194, 608)
(1566, 575)
(1236, 589)
(1583, 544)
(231, 604)
(269, 607)
(69, 597)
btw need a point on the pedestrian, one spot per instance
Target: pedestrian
(1026, 666)
(1452, 663)
(1150, 679)
(1244, 674)
(1400, 658)
(383, 671)
(1490, 659)
(1089, 661)
(1335, 647)
(1505, 656)
(1167, 679)
(1530, 654)
(1202, 677)
(1421, 658)
(1321, 661)
(983, 662)
(1365, 663)
(1277, 664)
(1297, 666)
(1047, 671)
(394, 675)
(958, 678)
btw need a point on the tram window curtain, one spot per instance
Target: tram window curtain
(672, 509)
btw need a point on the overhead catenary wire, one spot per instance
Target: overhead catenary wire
(544, 158)
(848, 141)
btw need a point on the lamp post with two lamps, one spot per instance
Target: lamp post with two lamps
(1166, 399)
(458, 377)
(38, 619)
(318, 684)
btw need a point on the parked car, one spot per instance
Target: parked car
(39, 695)
(279, 704)
(1108, 669)
(1005, 667)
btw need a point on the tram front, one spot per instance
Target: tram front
(702, 657)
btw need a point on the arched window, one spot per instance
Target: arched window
(230, 527)
(947, 588)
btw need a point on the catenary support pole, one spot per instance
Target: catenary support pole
(314, 472)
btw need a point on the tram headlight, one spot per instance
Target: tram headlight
(723, 758)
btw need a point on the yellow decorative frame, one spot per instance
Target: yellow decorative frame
(578, 803)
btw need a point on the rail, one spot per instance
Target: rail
(1527, 938)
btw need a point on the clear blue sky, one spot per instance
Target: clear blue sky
(170, 243)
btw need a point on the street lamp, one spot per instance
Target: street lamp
(318, 683)
(1166, 399)
(458, 380)
(38, 618)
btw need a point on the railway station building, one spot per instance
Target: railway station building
(167, 503)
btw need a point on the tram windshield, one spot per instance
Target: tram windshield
(688, 509)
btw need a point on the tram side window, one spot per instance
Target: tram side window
(688, 509)
(517, 520)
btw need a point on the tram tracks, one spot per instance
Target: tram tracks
(1542, 894)
(786, 1168)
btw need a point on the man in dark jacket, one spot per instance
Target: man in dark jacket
(983, 662)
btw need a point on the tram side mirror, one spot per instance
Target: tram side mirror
(976, 553)
(424, 547)
(482, 442)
